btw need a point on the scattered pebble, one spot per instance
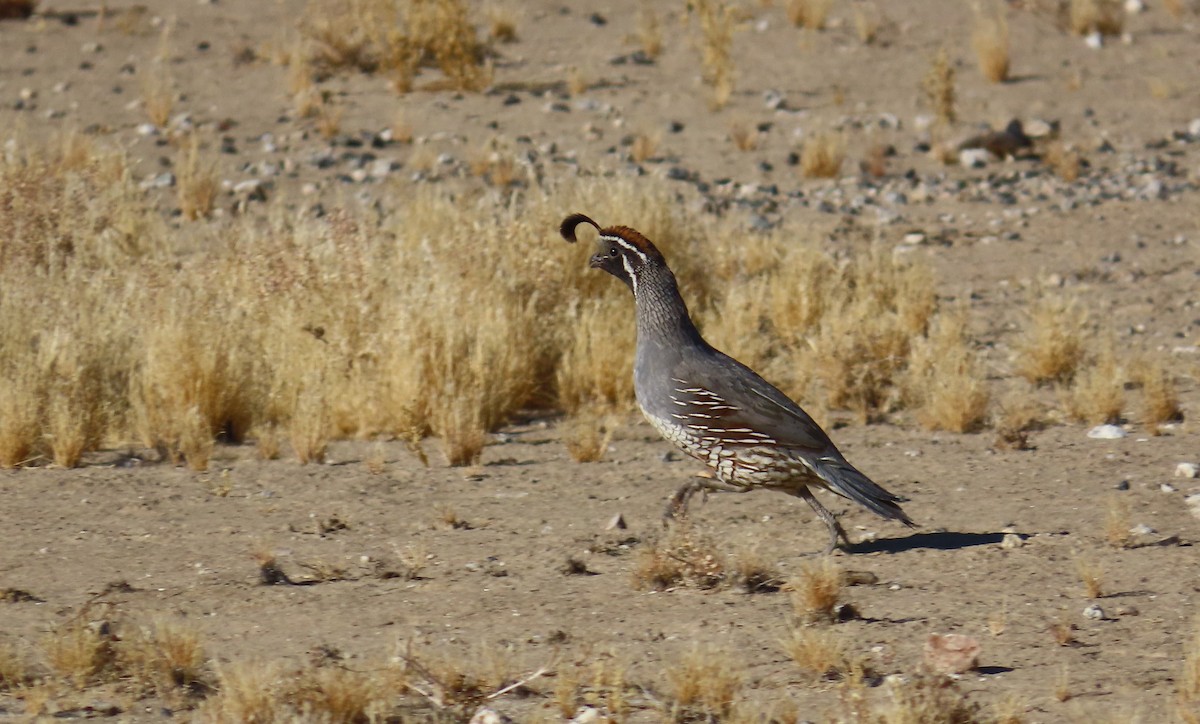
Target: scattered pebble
(1094, 612)
(1186, 470)
(1167, 488)
(1142, 529)
(617, 522)
(484, 715)
(1011, 540)
(1106, 432)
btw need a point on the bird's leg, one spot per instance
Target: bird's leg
(831, 522)
(677, 505)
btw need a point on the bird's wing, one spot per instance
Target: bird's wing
(728, 396)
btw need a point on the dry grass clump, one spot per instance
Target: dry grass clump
(816, 592)
(1116, 523)
(744, 135)
(703, 685)
(649, 33)
(1097, 394)
(818, 651)
(1017, 415)
(1188, 686)
(1052, 343)
(808, 14)
(1106, 17)
(644, 146)
(1091, 574)
(164, 657)
(926, 698)
(196, 181)
(398, 40)
(684, 556)
(336, 694)
(246, 691)
(938, 86)
(716, 21)
(80, 653)
(158, 95)
(14, 671)
(1065, 160)
(754, 573)
(587, 434)
(1160, 399)
(822, 155)
(502, 27)
(989, 37)
(946, 378)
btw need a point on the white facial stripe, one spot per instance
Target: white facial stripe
(625, 245)
(629, 270)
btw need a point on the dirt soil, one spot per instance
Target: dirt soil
(495, 540)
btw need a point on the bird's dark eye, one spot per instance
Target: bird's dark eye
(613, 252)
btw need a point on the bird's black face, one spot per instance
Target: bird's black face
(615, 257)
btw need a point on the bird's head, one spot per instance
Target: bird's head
(620, 250)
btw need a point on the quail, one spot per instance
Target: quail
(716, 409)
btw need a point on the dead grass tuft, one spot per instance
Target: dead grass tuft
(703, 683)
(80, 653)
(1091, 574)
(809, 14)
(1106, 17)
(246, 691)
(398, 41)
(588, 433)
(945, 380)
(335, 694)
(196, 180)
(164, 658)
(1188, 686)
(1160, 399)
(682, 557)
(1117, 525)
(1097, 393)
(716, 21)
(754, 572)
(1017, 416)
(822, 155)
(926, 697)
(1052, 343)
(502, 26)
(816, 592)
(158, 94)
(744, 135)
(989, 37)
(644, 146)
(14, 670)
(1065, 160)
(818, 651)
(938, 85)
(649, 33)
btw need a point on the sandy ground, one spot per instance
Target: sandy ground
(185, 543)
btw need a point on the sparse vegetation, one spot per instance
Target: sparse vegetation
(938, 85)
(1160, 399)
(816, 592)
(822, 155)
(1097, 395)
(1092, 576)
(197, 186)
(683, 556)
(716, 20)
(649, 33)
(587, 435)
(809, 14)
(703, 683)
(1106, 17)
(945, 378)
(818, 651)
(1116, 523)
(1052, 344)
(989, 37)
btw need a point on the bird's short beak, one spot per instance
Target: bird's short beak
(597, 260)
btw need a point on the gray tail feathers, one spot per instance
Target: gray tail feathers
(844, 479)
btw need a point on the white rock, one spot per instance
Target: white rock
(248, 186)
(1106, 432)
(1012, 540)
(1141, 529)
(1186, 470)
(1093, 612)
(1194, 128)
(1167, 488)
(1094, 40)
(973, 157)
(586, 715)
(1133, 7)
(1037, 128)
(1193, 504)
(484, 715)
(147, 129)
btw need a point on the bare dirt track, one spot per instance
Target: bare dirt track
(512, 563)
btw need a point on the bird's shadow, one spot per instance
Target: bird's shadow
(941, 541)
